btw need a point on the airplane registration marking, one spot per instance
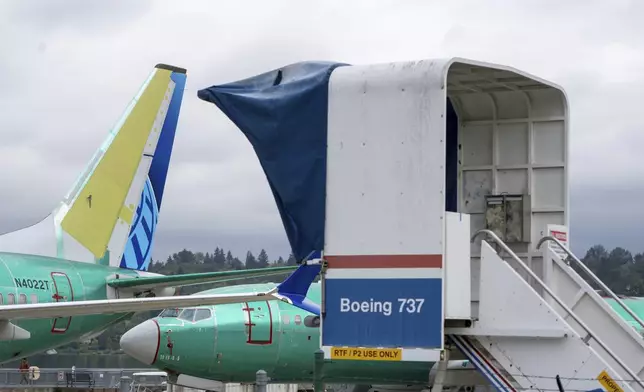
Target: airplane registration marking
(366, 354)
(38, 284)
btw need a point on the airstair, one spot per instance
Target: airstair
(572, 333)
(391, 172)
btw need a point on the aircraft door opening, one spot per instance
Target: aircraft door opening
(259, 322)
(63, 292)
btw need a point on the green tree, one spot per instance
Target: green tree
(251, 262)
(233, 263)
(237, 264)
(262, 259)
(200, 258)
(219, 259)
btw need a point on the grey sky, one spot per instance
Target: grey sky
(69, 68)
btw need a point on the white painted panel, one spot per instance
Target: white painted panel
(511, 105)
(507, 305)
(547, 103)
(385, 161)
(515, 266)
(513, 144)
(457, 266)
(549, 188)
(513, 181)
(540, 224)
(476, 185)
(478, 106)
(549, 142)
(476, 142)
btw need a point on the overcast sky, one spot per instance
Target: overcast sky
(69, 68)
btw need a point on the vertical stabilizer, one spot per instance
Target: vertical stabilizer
(110, 214)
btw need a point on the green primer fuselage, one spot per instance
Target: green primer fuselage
(224, 347)
(28, 278)
(635, 304)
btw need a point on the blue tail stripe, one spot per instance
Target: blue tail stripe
(146, 228)
(137, 248)
(159, 167)
(138, 251)
(296, 286)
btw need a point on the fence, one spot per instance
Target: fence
(85, 360)
(59, 378)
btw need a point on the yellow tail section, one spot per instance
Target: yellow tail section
(102, 201)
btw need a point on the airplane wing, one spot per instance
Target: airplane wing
(128, 305)
(302, 275)
(156, 282)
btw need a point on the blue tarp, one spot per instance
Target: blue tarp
(283, 113)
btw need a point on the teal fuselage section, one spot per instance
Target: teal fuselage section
(237, 340)
(37, 279)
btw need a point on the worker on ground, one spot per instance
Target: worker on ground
(24, 371)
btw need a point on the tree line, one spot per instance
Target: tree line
(187, 261)
(619, 269)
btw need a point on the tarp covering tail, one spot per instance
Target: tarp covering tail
(283, 113)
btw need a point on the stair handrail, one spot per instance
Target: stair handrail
(565, 307)
(592, 276)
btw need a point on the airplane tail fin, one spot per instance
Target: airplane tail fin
(294, 288)
(110, 214)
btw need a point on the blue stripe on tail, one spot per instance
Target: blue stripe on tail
(138, 251)
(296, 286)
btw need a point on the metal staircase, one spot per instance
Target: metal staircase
(607, 326)
(523, 340)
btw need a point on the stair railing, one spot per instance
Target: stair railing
(534, 276)
(592, 276)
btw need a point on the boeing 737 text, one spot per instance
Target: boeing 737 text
(409, 305)
(382, 312)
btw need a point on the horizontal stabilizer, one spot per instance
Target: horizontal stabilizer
(294, 289)
(157, 282)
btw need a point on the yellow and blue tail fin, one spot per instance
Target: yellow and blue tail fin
(111, 213)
